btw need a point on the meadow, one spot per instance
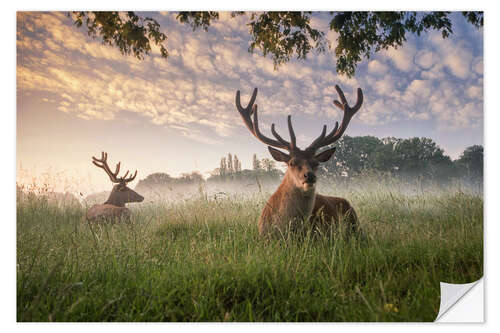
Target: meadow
(199, 258)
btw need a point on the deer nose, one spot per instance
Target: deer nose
(310, 177)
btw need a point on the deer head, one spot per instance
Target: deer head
(121, 193)
(302, 164)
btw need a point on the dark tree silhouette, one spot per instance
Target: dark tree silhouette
(470, 162)
(413, 157)
(256, 163)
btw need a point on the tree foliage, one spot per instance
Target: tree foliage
(363, 33)
(471, 162)
(129, 32)
(284, 34)
(261, 168)
(281, 35)
(413, 157)
(159, 179)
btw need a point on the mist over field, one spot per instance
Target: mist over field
(192, 253)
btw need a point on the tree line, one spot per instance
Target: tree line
(230, 169)
(354, 157)
(406, 158)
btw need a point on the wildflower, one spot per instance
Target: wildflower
(389, 307)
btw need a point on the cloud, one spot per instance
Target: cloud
(477, 66)
(403, 56)
(455, 54)
(425, 59)
(386, 86)
(192, 92)
(377, 67)
(475, 92)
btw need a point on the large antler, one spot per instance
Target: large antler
(103, 164)
(253, 127)
(336, 133)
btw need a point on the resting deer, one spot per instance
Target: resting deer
(295, 200)
(114, 207)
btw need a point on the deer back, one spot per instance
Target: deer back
(107, 212)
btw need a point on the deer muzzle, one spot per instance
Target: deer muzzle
(310, 178)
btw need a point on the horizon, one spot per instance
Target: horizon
(77, 97)
(205, 175)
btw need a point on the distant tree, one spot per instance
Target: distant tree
(223, 167)
(215, 172)
(265, 171)
(400, 157)
(230, 167)
(352, 156)
(470, 162)
(162, 180)
(268, 164)
(384, 157)
(256, 163)
(156, 179)
(193, 177)
(282, 35)
(422, 156)
(237, 164)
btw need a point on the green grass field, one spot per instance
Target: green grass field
(201, 259)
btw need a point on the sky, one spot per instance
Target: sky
(77, 97)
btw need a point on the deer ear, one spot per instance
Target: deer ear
(279, 155)
(326, 155)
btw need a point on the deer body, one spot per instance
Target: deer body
(295, 201)
(114, 208)
(107, 212)
(288, 206)
(329, 210)
(291, 205)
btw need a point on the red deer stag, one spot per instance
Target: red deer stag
(114, 207)
(295, 199)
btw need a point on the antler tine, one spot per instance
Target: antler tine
(292, 133)
(318, 139)
(103, 164)
(277, 136)
(253, 127)
(262, 137)
(95, 159)
(349, 112)
(342, 98)
(131, 178)
(333, 130)
(117, 169)
(246, 112)
(250, 104)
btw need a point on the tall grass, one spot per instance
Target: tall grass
(200, 259)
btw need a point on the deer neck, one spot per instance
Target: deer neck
(114, 200)
(299, 201)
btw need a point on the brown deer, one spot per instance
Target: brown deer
(295, 200)
(114, 207)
